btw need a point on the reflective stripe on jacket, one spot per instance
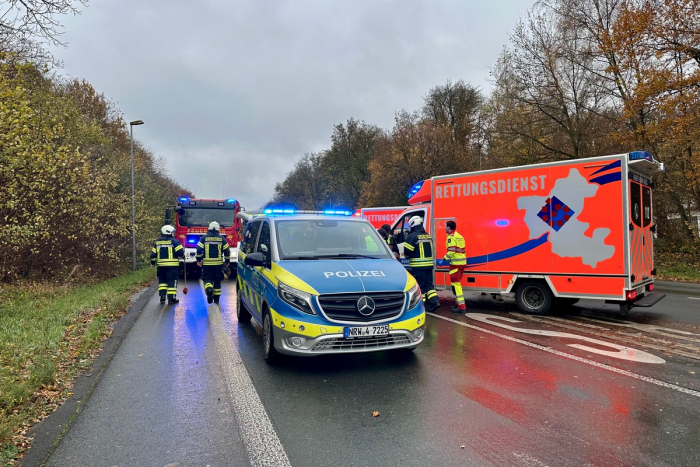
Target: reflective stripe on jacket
(166, 251)
(212, 249)
(456, 253)
(418, 248)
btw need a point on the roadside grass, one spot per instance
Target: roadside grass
(679, 273)
(49, 335)
(677, 260)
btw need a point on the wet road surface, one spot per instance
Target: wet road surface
(189, 386)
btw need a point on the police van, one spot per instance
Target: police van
(324, 283)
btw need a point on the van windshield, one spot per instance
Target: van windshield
(328, 238)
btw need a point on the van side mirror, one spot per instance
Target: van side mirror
(254, 259)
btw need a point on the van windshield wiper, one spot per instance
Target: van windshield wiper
(300, 257)
(347, 255)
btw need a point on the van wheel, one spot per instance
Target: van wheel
(270, 352)
(242, 312)
(533, 297)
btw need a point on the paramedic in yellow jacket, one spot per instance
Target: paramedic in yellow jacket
(458, 260)
(212, 254)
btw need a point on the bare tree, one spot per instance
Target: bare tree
(27, 24)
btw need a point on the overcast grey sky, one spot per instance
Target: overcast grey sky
(233, 93)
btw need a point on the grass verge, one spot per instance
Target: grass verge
(48, 336)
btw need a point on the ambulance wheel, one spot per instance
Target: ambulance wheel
(242, 312)
(269, 351)
(533, 297)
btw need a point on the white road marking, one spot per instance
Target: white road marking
(574, 357)
(622, 352)
(668, 332)
(694, 298)
(260, 439)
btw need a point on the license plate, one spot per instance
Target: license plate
(366, 331)
(639, 290)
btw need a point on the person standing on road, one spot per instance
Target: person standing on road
(458, 260)
(166, 254)
(212, 255)
(390, 240)
(418, 248)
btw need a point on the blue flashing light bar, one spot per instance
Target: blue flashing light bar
(231, 201)
(637, 155)
(502, 222)
(416, 188)
(184, 199)
(192, 241)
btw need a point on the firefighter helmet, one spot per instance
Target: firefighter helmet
(415, 220)
(167, 230)
(214, 226)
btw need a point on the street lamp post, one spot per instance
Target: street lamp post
(133, 202)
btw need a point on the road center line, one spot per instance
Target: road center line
(574, 357)
(260, 439)
(694, 298)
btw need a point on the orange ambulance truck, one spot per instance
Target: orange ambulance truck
(380, 216)
(550, 233)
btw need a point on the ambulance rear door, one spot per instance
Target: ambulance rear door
(640, 235)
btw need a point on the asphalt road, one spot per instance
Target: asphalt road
(189, 387)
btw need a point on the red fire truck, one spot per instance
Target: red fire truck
(192, 218)
(549, 233)
(380, 216)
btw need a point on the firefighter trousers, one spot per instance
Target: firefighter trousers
(456, 280)
(167, 280)
(424, 277)
(212, 277)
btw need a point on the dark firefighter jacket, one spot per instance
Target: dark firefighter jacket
(212, 249)
(166, 251)
(418, 248)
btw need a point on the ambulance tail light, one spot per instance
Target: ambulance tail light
(650, 287)
(631, 295)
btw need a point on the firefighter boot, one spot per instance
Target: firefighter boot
(216, 299)
(210, 294)
(162, 298)
(456, 309)
(172, 300)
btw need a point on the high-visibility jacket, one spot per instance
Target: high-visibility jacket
(392, 243)
(212, 248)
(166, 251)
(456, 254)
(418, 248)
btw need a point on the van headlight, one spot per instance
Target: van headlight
(297, 298)
(414, 296)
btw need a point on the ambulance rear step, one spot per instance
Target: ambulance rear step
(649, 299)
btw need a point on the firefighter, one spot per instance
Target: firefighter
(166, 254)
(212, 255)
(418, 248)
(458, 260)
(390, 240)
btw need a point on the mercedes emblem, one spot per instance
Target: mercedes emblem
(365, 305)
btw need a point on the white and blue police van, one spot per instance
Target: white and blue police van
(324, 283)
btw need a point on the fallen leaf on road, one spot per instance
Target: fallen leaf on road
(375, 414)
